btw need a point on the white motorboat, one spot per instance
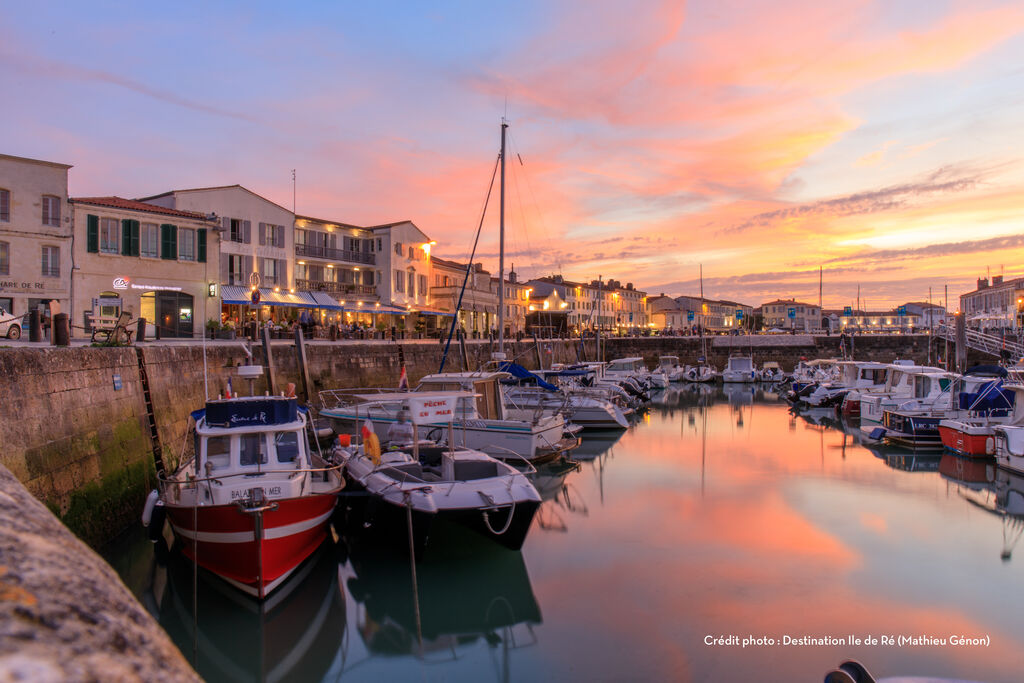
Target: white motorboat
(700, 373)
(739, 369)
(415, 482)
(671, 367)
(1009, 437)
(899, 388)
(770, 372)
(483, 419)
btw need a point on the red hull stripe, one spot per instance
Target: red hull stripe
(228, 518)
(971, 444)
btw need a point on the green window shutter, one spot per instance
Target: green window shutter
(135, 238)
(92, 234)
(201, 245)
(169, 242)
(126, 237)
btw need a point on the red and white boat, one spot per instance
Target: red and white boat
(970, 437)
(253, 501)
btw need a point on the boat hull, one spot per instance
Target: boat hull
(973, 442)
(381, 521)
(223, 538)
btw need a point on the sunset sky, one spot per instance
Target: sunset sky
(879, 140)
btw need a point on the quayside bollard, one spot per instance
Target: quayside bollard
(64, 613)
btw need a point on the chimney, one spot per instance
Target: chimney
(997, 280)
(478, 267)
(982, 282)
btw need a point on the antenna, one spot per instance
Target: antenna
(293, 191)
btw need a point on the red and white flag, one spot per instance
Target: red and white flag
(228, 393)
(403, 381)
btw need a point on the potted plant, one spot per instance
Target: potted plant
(227, 330)
(212, 328)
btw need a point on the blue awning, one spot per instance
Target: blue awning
(235, 294)
(444, 313)
(325, 300)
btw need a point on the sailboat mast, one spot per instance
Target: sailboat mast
(501, 252)
(700, 320)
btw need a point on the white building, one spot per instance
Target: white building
(35, 235)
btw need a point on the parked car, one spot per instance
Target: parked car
(10, 326)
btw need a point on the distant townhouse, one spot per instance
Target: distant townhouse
(35, 236)
(790, 314)
(148, 261)
(715, 315)
(336, 263)
(666, 315)
(478, 314)
(515, 299)
(898, 319)
(257, 250)
(403, 258)
(628, 307)
(994, 305)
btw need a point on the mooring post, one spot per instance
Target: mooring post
(300, 355)
(462, 348)
(536, 348)
(961, 343)
(268, 363)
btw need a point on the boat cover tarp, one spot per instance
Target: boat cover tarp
(519, 372)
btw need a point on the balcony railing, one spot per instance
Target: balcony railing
(334, 254)
(335, 287)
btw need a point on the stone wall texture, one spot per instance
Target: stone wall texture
(64, 613)
(85, 448)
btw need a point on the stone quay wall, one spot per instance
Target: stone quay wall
(76, 431)
(64, 613)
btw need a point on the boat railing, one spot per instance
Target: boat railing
(167, 481)
(346, 398)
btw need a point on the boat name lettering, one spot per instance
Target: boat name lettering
(258, 418)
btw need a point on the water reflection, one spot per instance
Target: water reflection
(293, 635)
(559, 499)
(462, 602)
(719, 511)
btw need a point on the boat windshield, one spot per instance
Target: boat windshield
(218, 452)
(252, 450)
(287, 446)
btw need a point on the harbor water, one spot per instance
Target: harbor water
(722, 537)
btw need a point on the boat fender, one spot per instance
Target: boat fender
(156, 523)
(147, 509)
(990, 445)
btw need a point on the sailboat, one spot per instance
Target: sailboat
(702, 372)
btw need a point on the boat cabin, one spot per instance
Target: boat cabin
(631, 366)
(740, 364)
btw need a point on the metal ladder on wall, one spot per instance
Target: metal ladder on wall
(154, 434)
(985, 343)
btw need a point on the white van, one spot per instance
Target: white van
(10, 326)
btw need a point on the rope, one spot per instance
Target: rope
(508, 521)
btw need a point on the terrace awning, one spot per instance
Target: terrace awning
(236, 294)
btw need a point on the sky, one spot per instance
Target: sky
(879, 142)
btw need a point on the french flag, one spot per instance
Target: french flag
(229, 393)
(403, 381)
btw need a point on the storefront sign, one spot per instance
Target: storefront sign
(157, 288)
(120, 283)
(15, 286)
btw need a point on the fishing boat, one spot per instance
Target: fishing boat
(253, 501)
(739, 369)
(415, 482)
(701, 374)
